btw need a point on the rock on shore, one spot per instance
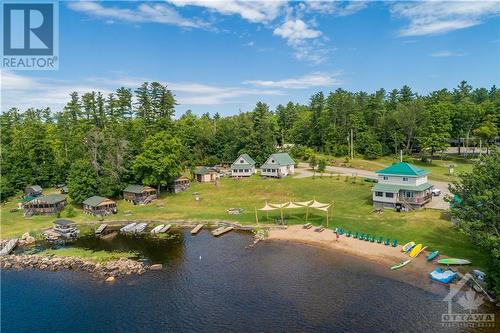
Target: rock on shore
(115, 268)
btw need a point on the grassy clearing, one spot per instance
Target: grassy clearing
(98, 256)
(352, 210)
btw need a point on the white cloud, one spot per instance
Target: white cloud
(153, 13)
(439, 17)
(296, 30)
(445, 54)
(338, 8)
(253, 11)
(303, 82)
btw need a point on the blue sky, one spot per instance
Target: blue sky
(224, 56)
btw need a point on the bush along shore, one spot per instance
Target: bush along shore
(108, 271)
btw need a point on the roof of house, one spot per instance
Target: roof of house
(95, 201)
(393, 188)
(51, 198)
(204, 170)
(63, 222)
(403, 169)
(280, 159)
(181, 178)
(136, 189)
(36, 188)
(247, 158)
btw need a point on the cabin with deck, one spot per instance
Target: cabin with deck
(278, 165)
(97, 205)
(243, 166)
(32, 191)
(45, 205)
(402, 186)
(206, 175)
(179, 184)
(66, 228)
(138, 194)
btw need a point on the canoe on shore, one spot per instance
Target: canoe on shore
(128, 227)
(453, 261)
(101, 228)
(139, 228)
(404, 263)
(165, 228)
(157, 229)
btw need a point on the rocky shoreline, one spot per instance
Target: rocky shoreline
(108, 271)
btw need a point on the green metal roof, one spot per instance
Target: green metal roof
(51, 198)
(204, 170)
(94, 201)
(403, 169)
(135, 189)
(391, 188)
(247, 158)
(281, 159)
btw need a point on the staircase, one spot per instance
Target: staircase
(406, 205)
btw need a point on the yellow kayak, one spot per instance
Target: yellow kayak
(416, 250)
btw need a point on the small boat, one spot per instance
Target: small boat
(139, 228)
(421, 250)
(408, 246)
(443, 276)
(432, 255)
(453, 261)
(128, 227)
(157, 229)
(165, 228)
(319, 229)
(404, 263)
(101, 228)
(415, 250)
(307, 226)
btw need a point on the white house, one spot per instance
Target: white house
(243, 166)
(402, 185)
(278, 165)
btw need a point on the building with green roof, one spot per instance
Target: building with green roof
(278, 165)
(97, 205)
(403, 186)
(243, 166)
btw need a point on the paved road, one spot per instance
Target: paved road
(437, 202)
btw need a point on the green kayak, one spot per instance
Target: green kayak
(453, 261)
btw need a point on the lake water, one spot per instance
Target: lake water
(216, 285)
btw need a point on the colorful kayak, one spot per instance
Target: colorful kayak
(421, 250)
(432, 255)
(408, 246)
(404, 263)
(443, 276)
(416, 250)
(453, 261)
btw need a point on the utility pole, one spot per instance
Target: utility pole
(352, 144)
(401, 155)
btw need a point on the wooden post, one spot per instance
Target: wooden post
(256, 216)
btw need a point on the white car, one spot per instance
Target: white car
(436, 192)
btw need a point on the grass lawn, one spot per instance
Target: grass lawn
(352, 210)
(98, 256)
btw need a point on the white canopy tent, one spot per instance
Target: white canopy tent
(293, 205)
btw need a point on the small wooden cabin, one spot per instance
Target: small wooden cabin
(97, 205)
(45, 205)
(206, 175)
(139, 194)
(32, 191)
(180, 184)
(66, 228)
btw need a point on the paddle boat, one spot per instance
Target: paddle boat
(404, 263)
(443, 276)
(453, 261)
(408, 246)
(432, 255)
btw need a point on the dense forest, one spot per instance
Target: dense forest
(97, 144)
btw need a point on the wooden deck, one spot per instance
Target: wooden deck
(221, 230)
(8, 247)
(196, 229)
(101, 228)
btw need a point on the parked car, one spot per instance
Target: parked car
(436, 192)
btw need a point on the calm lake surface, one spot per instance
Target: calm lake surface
(216, 285)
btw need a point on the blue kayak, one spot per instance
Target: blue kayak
(432, 255)
(443, 276)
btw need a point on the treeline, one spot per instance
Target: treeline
(97, 144)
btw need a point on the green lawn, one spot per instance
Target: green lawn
(98, 256)
(352, 210)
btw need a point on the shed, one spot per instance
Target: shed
(179, 184)
(97, 205)
(206, 174)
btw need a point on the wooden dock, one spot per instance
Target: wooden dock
(221, 230)
(196, 229)
(8, 247)
(101, 228)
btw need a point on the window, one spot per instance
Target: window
(246, 170)
(385, 178)
(405, 179)
(379, 194)
(389, 195)
(241, 161)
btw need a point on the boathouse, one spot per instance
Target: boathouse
(278, 165)
(32, 191)
(66, 228)
(97, 205)
(243, 166)
(179, 184)
(206, 175)
(402, 186)
(139, 194)
(45, 205)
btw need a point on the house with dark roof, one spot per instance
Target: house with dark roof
(66, 228)
(243, 166)
(402, 185)
(206, 175)
(278, 165)
(179, 184)
(32, 191)
(97, 205)
(45, 205)
(138, 194)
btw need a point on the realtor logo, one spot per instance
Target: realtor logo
(470, 303)
(30, 35)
